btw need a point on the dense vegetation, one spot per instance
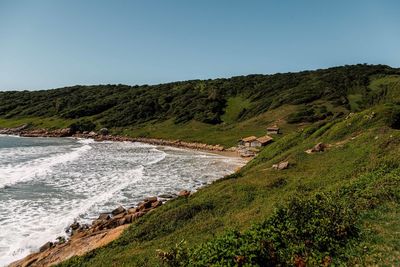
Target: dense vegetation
(338, 207)
(204, 101)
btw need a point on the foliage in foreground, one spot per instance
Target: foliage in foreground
(311, 231)
(315, 231)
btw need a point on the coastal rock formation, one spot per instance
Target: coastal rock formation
(320, 147)
(84, 238)
(184, 193)
(104, 135)
(281, 165)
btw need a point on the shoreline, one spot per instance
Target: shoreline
(109, 227)
(214, 149)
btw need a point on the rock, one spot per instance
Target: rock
(118, 210)
(104, 131)
(320, 147)
(138, 215)
(65, 132)
(75, 226)
(46, 246)
(129, 218)
(143, 205)
(61, 240)
(122, 221)
(92, 134)
(98, 222)
(104, 217)
(156, 204)
(184, 193)
(167, 196)
(150, 199)
(119, 216)
(281, 165)
(132, 210)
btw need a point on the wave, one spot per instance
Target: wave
(32, 241)
(11, 175)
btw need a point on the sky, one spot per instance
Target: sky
(54, 43)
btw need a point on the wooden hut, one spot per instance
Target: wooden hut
(262, 141)
(273, 130)
(247, 141)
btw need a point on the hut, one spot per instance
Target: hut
(262, 141)
(273, 130)
(247, 141)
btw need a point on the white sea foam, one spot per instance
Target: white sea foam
(54, 185)
(13, 174)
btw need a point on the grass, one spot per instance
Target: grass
(364, 168)
(223, 134)
(36, 122)
(235, 105)
(355, 101)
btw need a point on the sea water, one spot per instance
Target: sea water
(48, 183)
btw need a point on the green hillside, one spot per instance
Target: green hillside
(336, 207)
(211, 111)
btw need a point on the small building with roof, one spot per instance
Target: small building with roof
(273, 130)
(253, 141)
(247, 141)
(262, 141)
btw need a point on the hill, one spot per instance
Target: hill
(209, 111)
(339, 206)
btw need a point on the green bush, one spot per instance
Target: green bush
(394, 118)
(310, 231)
(82, 125)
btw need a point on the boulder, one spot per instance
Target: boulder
(118, 210)
(132, 210)
(150, 199)
(184, 193)
(65, 132)
(103, 131)
(166, 196)
(46, 246)
(75, 226)
(119, 216)
(320, 147)
(143, 205)
(156, 204)
(104, 217)
(98, 222)
(138, 215)
(129, 218)
(281, 165)
(122, 221)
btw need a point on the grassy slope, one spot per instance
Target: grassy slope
(359, 146)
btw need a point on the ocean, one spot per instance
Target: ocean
(48, 183)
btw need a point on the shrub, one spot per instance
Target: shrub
(394, 118)
(82, 125)
(307, 231)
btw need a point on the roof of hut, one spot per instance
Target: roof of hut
(249, 139)
(264, 139)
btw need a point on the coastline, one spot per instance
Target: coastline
(66, 132)
(90, 237)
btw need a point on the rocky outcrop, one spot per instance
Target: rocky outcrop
(159, 142)
(13, 131)
(184, 193)
(320, 147)
(103, 135)
(281, 165)
(84, 238)
(46, 133)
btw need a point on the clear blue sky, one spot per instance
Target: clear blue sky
(53, 43)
